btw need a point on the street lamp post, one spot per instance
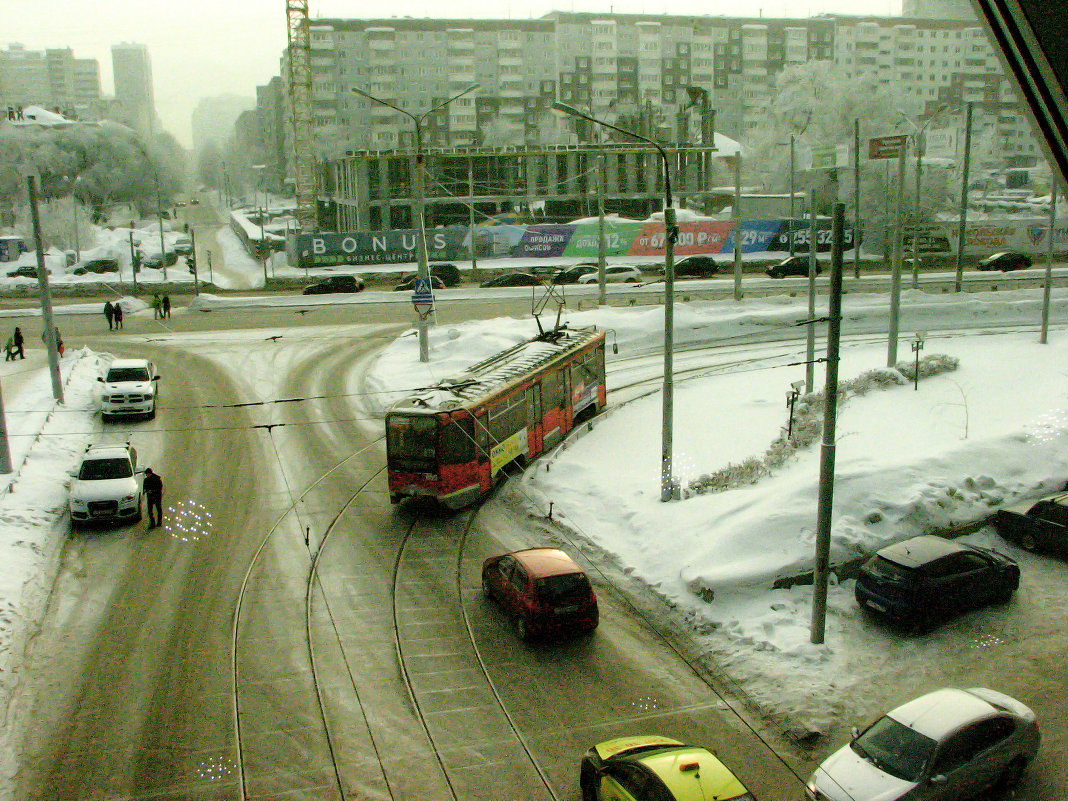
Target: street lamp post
(419, 201)
(74, 220)
(263, 236)
(920, 146)
(668, 488)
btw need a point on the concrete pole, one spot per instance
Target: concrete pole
(895, 280)
(963, 227)
(810, 332)
(196, 280)
(821, 571)
(423, 260)
(46, 296)
(5, 449)
(792, 212)
(602, 290)
(1043, 339)
(667, 477)
(916, 217)
(856, 198)
(471, 210)
(737, 216)
(133, 267)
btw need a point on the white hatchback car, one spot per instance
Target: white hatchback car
(947, 745)
(129, 389)
(615, 274)
(105, 487)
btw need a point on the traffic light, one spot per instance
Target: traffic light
(191, 263)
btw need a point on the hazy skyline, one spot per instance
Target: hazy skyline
(203, 48)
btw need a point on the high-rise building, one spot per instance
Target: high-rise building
(214, 118)
(132, 71)
(53, 79)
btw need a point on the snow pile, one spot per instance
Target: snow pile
(46, 442)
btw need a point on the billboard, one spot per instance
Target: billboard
(579, 240)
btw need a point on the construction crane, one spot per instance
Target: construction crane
(301, 113)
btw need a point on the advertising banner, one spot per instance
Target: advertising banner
(379, 247)
(555, 241)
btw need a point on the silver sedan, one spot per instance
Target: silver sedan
(948, 744)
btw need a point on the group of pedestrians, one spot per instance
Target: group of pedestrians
(15, 347)
(161, 309)
(113, 313)
(161, 306)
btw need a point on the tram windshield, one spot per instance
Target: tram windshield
(411, 442)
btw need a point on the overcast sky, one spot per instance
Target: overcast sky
(203, 48)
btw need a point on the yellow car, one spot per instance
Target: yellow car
(654, 768)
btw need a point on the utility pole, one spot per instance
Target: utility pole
(1042, 340)
(417, 167)
(821, 571)
(737, 215)
(196, 281)
(471, 210)
(133, 263)
(920, 146)
(792, 231)
(895, 278)
(962, 228)
(602, 296)
(46, 296)
(856, 198)
(810, 332)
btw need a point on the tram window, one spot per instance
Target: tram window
(457, 441)
(507, 416)
(552, 388)
(411, 437)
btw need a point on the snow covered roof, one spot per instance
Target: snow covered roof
(35, 115)
(498, 371)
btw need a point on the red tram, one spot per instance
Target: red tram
(452, 440)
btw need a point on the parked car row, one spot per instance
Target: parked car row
(948, 744)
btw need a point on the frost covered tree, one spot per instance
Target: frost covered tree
(108, 162)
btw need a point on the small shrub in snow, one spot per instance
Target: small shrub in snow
(808, 423)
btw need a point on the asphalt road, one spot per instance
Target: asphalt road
(133, 677)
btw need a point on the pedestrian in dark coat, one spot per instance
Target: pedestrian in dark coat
(153, 488)
(18, 341)
(109, 314)
(166, 304)
(118, 314)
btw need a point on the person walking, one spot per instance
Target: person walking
(109, 314)
(166, 305)
(117, 309)
(59, 340)
(10, 350)
(153, 488)
(157, 306)
(18, 341)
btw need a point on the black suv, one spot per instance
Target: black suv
(695, 267)
(570, 275)
(1006, 261)
(448, 273)
(926, 579)
(792, 265)
(335, 283)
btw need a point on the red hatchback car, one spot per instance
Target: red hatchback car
(542, 590)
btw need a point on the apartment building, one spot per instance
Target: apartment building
(663, 76)
(53, 79)
(134, 93)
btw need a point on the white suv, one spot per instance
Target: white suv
(105, 486)
(129, 389)
(614, 274)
